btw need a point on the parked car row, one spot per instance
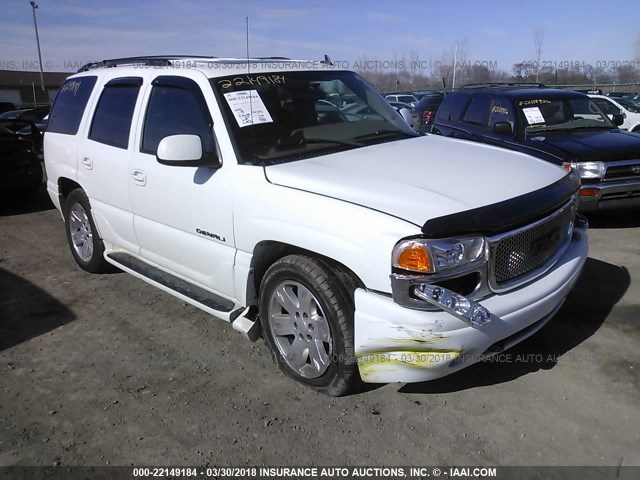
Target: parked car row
(424, 113)
(627, 95)
(421, 106)
(21, 139)
(407, 99)
(20, 167)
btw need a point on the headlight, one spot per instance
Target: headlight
(434, 256)
(588, 169)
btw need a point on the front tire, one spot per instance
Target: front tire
(307, 322)
(86, 246)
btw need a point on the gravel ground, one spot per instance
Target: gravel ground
(107, 370)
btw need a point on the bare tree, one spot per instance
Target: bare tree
(627, 74)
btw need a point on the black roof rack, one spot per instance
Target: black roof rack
(505, 85)
(148, 60)
(155, 60)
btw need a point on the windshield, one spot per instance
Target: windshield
(285, 116)
(545, 114)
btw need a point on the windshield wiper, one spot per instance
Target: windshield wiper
(593, 126)
(305, 141)
(568, 129)
(387, 132)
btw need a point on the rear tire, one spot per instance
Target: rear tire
(86, 246)
(307, 321)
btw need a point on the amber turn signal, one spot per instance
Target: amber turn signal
(417, 258)
(589, 192)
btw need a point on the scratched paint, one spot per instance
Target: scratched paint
(425, 340)
(371, 362)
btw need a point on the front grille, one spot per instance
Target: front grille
(623, 172)
(517, 256)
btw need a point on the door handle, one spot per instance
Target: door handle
(88, 163)
(139, 177)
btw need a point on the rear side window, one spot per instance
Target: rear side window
(69, 105)
(501, 111)
(478, 111)
(112, 119)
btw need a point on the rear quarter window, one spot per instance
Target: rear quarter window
(70, 104)
(451, 107)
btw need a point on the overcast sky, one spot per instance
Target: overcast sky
(73, 31)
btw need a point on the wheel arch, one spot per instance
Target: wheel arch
(65, 187)
(267, 252)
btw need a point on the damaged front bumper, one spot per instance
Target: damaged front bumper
(442, 332)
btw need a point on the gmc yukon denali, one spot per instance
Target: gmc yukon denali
(359, 249)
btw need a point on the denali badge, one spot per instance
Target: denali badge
(212, 235)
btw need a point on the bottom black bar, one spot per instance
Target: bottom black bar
(314, 472)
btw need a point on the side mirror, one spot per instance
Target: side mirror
(502, 128)
(618, 119)
(184, 151)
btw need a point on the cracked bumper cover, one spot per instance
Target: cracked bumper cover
(398, 344)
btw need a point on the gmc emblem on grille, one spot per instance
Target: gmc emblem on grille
(545, 242)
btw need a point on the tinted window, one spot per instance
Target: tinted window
(452, 104)
(477, 111)
(606, 106)
(176, 111)
(70, 104)
(429, 103)
(112, 119)
(632, 107)
(501, 111)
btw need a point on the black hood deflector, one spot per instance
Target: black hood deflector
(507, 215)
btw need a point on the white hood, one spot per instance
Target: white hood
(419, 179)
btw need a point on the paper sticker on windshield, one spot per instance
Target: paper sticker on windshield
(535, 101)
(533, 115)
(248, 108)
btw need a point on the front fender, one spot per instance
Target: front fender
(359, 238)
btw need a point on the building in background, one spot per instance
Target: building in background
(23, 89)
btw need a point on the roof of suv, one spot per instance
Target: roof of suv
(212, 66)
(516, 92)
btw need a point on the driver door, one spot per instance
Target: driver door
(182, 214)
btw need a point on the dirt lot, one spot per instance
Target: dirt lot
(98, 370)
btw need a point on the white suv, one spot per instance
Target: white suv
(611, 106)
(404, 98)
(360, 249)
